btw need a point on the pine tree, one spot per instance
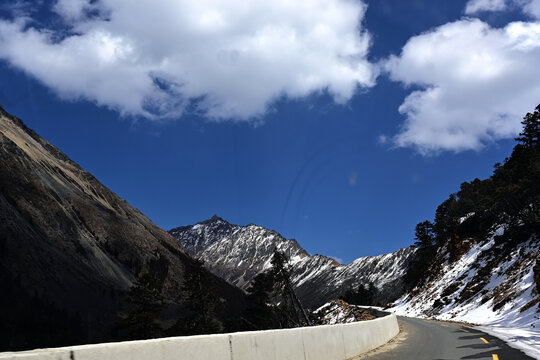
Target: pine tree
(361, 295)
(530, 137)
(445, 221)
(424, 235)
(260, 312)
(144, 303)
(272, 293)
(426, 249)
(200, 299)
(290, 304)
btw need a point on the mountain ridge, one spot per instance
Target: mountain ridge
(238, 253)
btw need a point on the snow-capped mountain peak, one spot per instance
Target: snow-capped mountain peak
(238, 253)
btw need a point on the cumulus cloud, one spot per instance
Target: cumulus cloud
(529, 7)
(219, 59)
(474, 6)
(473, 84)
(73, 10)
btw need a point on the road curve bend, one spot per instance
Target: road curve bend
(434, 340)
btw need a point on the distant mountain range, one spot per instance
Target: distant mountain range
(238, 253)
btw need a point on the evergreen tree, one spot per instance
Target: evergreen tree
(271, 293)
(530, 136)
(426, 249)
(199, 288)
(290, 306)
(424, 235)
(361, 295)
(144, 303)
(260, 312)
(446, 221)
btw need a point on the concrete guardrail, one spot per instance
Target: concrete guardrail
(326, 342)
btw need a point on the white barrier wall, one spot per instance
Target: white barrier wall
(327, 342)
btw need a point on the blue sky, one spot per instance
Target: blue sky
(339, 123)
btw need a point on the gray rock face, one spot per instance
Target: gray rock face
(239, 253)
(234, 253)
(69, 243)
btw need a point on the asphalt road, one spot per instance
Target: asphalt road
(434, 340)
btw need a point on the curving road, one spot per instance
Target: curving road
(434, 340)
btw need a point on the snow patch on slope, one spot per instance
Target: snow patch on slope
(496, 292)
(341, 312)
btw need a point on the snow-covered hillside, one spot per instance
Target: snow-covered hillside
(239, 253)
(492, 285)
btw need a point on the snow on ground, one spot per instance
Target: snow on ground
(341, 312)
(519, 338)
(515, 320)
(519, 329)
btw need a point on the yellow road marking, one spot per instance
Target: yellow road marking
(495, 356)
(464, 330)
(484, 340)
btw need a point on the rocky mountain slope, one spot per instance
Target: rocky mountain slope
(235, 253)
(70, 247)
(488, 283)
(492, 285)
(238, 253)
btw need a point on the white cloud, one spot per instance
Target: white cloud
(529, 7)
(20, 8)
(72, 10)
(532, 7)
(221, 59)
(475, 6)
(474, 84)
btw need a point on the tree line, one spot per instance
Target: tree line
(271, 303)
